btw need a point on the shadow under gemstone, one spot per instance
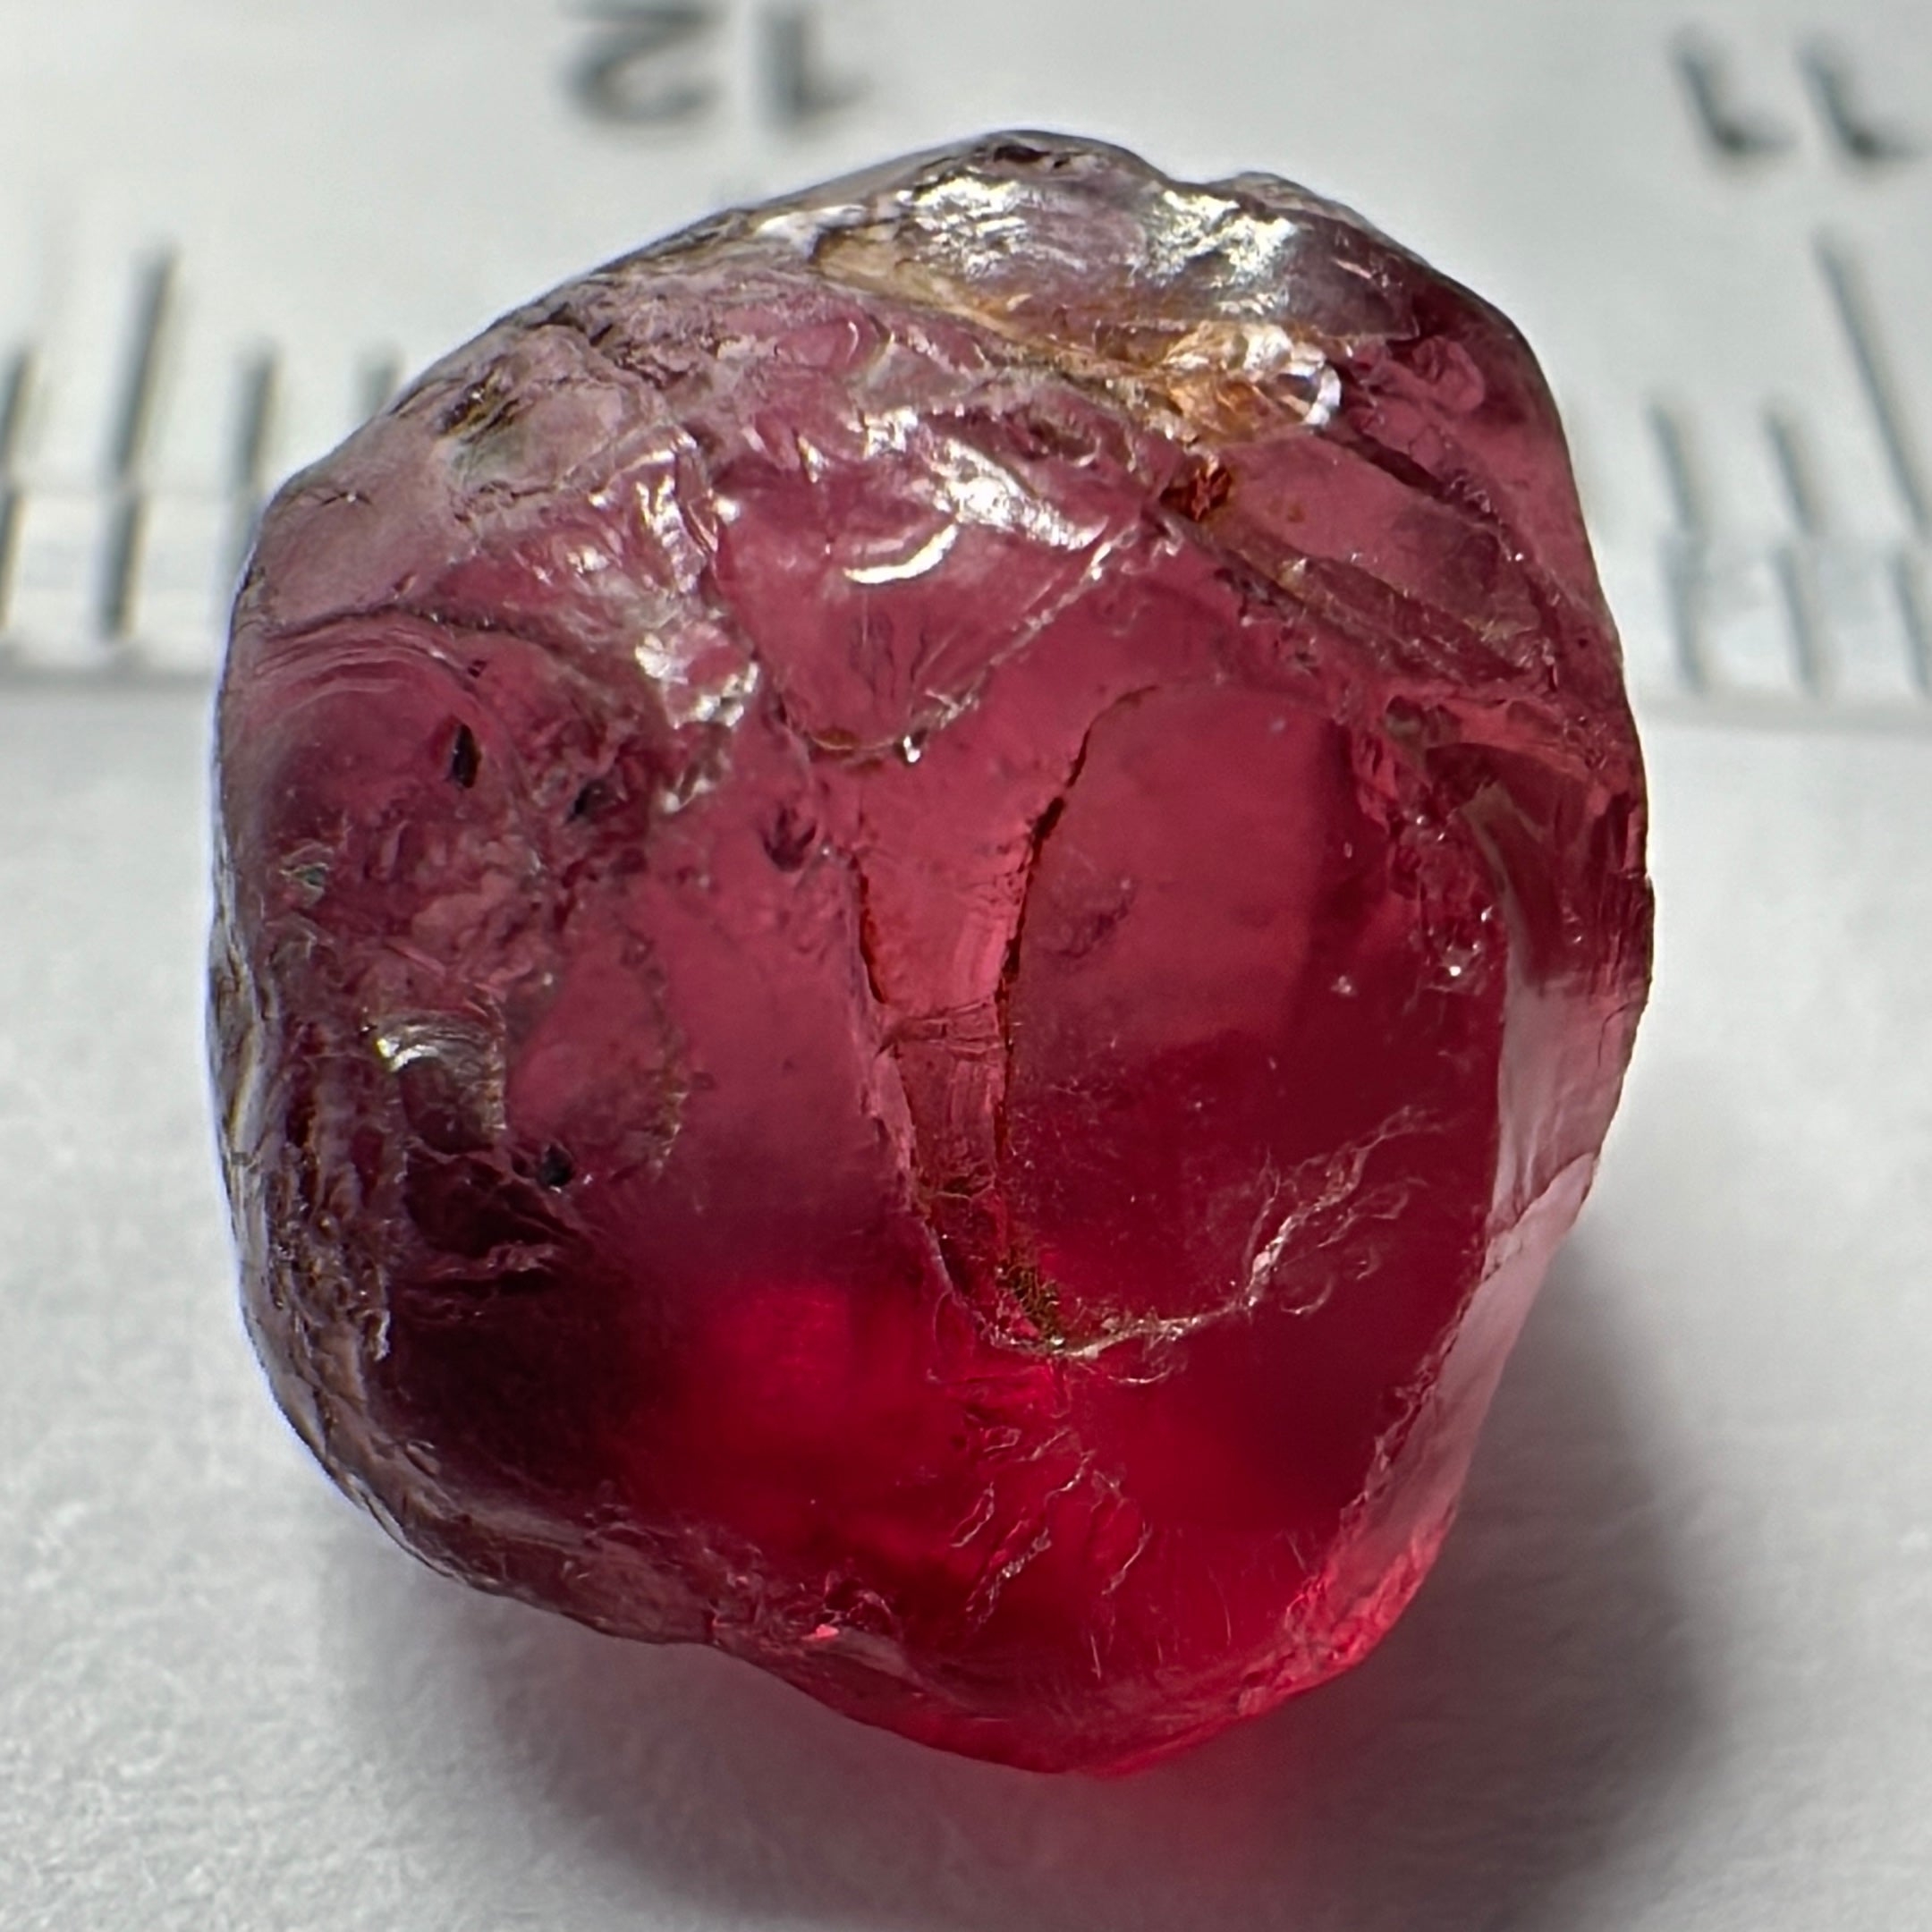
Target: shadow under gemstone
(1533, 1713)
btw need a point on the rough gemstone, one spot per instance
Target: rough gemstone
(930, 903)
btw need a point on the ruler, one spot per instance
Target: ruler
(229, 227)
(1672, 1672)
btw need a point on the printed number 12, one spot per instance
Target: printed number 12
(646, 64)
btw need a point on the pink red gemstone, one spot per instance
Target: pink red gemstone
(929, 904)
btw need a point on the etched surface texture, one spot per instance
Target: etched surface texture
(929, 904)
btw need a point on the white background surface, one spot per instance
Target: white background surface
(1674, 1669)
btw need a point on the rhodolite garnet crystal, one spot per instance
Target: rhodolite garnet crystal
(930, 903)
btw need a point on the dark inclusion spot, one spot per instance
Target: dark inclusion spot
(556, 1168)
(789, 839)
(483, 406)
(464, 1205)
(591, 799)
(466, 757)
(1037, 1295)
(1043, 826)
(1199, 493)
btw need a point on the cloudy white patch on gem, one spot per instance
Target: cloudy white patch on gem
(929, 557)
(981, 491)
(1193, 226)
(672, 659)
(803, 228)
(969, 486)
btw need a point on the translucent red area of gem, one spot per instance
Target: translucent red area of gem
(930, 905)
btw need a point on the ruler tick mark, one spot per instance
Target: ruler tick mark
(247, 456)
(1909, 589)
(1796, 471)
(1851, 300)
(14, 389)
(375, 384)
(132, 426)
(133, 418)
(1802, 619)
(1684, 548)
(1688, 499)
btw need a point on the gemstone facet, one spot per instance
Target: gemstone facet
(929, 904)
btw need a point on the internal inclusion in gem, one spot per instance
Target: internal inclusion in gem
(930, 903)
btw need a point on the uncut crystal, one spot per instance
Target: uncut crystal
(930, 903)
